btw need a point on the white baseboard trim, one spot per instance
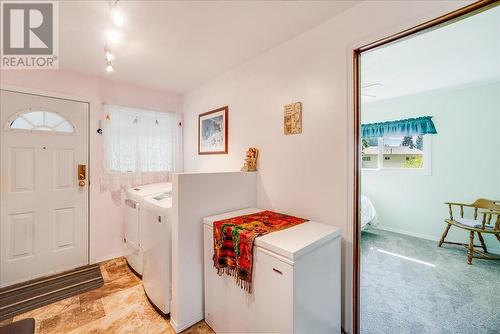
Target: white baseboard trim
(181, 327)
(109, 257)
(411, 234)
(494, 250)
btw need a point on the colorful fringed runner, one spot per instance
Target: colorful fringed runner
(234, 238)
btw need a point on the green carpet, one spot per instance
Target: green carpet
(409, 285)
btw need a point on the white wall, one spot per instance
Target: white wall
(195, 196)
(308, 175)
(464, 164)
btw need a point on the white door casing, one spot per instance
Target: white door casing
(43, 210)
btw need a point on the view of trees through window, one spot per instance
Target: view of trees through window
(396, 151)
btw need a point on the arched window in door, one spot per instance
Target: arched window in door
(41, 120)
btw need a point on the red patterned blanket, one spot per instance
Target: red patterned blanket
(234, 238)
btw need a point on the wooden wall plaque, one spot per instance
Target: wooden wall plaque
(293, 118)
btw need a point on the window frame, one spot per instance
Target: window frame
(115, 132)
(425, 170)
(19, 114)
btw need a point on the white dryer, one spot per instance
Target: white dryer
(157, 245)
(133, 201)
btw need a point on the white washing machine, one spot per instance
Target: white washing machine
(157, 247)
(133, 201)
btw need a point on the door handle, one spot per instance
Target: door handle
(82, 175)
(277, 271)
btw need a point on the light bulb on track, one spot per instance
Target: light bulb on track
(117, 18)
(109, 68)
(113, 37)
(109, 55)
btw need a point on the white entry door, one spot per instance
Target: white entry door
(43, 206)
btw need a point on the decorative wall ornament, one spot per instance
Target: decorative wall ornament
(293, 118)
(250, 164)
(213, 131)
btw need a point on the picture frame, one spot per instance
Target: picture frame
(213, 131)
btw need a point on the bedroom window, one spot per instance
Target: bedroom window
(140, 140)
(402, 145)
(396, 153)
(404, 152)
(369, 153)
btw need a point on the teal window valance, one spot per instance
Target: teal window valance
(404, 127)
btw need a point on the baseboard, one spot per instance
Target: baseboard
(108, 257)
(181, 327)
(494, 250)
(411, 234)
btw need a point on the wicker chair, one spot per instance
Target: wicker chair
(489, 212)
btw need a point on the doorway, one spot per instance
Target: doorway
(44, 198)
(388, 158)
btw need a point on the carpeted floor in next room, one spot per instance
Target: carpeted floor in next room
(438, 293)
(120, 306)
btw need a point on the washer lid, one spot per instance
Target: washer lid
(291, 243)
(159, 203)
(138, 193)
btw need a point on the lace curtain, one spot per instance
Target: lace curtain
(141, 146)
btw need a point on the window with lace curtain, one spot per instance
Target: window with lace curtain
(142, 141)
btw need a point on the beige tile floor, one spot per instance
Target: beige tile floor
(120, 306)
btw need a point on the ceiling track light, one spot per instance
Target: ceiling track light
(116, 16)
(113, 36)
(109, 67)
(108, 54)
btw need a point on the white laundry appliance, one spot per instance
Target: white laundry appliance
(156, 223)
(133, 201)
(295, 284)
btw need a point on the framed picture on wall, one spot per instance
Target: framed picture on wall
(213, 131)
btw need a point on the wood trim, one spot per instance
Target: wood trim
(226, 129)
(451, 17)
(356, 244)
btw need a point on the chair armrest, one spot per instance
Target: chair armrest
(459, 204)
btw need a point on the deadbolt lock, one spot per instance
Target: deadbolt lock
(82, 175)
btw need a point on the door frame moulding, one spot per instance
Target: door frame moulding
(91, 168)
(438, 22)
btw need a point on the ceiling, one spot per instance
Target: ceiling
(178, 45)
(466, 52)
